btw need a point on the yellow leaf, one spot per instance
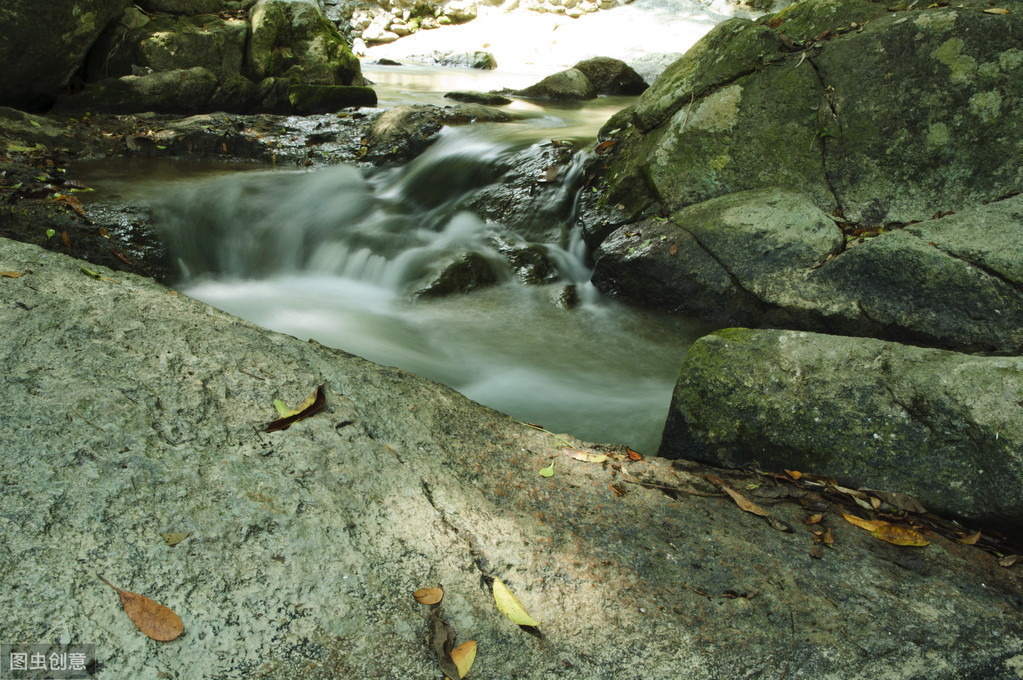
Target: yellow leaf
(869, 525)
(429, 595)
(509, 606)
(463, 655)
(548, 471)
(815, 518)
(585, 456)
(900, 535)
(794, 474)
(12, 275)
(970, 540)
(996, 10)
(175, 537)
(745, 503)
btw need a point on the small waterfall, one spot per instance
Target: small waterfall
(392, 228)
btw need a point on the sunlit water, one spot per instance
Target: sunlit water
(336, 254)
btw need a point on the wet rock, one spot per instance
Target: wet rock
(463, 274)
(611, 76)
(570, 84)
(940, 426)
(183, 6)
(306, 544)
(310, 99)
(484, 98)
(406, 131)
(182, 91)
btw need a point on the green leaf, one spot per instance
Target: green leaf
(283, 409)
(50, 233)
(34, 123)
(548, 471)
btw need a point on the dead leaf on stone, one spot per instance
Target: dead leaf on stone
(897, 535)
(1010, 560)
(175, 537)
(463, 655)
(11, 275)
(585, 456)
(794, 474)
(429, 595)
(814, 518)
(971, 539)
(509, 605)
(778, 525)
(152, 618)
(633, 455)
(443, 643)
(740, 500)
(861, 499)
(869, 525)
(311, 405)
(996, 10)
(826, 537)
(605, 147)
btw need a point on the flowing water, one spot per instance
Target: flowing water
(334, 254)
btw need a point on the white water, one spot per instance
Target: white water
(333, 254)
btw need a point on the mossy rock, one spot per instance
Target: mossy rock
(312, 99)
(806, 20)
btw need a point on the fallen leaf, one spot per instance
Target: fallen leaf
(548, 471)
(778, 525)
(152, 618)
(12, 275)
(900, 535)
(71, 202)
(585, 456)
(96, 275)
(794, 474)
(509, 606)
(673, 249)
(1010, 560)
(313, 404)
(744, 503)
(969, 540)
(869, 525)
(65, 239)
(443, 643)
(826, 537)
(633, 455)
(996, 10)
(463, 655)
(429, 595)
(604, 147)
(814, 518)
(175, 537)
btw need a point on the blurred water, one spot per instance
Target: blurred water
(336, 254)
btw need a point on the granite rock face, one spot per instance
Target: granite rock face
(941, 426)
(130, 412)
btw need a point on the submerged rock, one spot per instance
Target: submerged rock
(304, 546)
(941, 426)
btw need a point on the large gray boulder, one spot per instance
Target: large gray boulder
(130, 412)
(772, 257)
(871, 133)
(941, 426)
(42, 45)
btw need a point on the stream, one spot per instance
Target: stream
(336, 254)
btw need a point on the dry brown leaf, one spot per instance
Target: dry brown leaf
(897, 535)
(826, 537)
(970, 539)
(429, 595)
(633, 455)
(1010, 560)
(12, 275)
(673, 249)
(152, 618)
(794, 474)
(443, 643)
(606, 146)
(744, 503)
(310, 406)
(585, 456)
(899, 500)
(868, 524)
(814, 518)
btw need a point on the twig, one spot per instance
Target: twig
(87, 420)
(537, 427)
(665, 487)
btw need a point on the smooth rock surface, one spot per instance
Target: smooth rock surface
(129, 411)
(944, 427)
